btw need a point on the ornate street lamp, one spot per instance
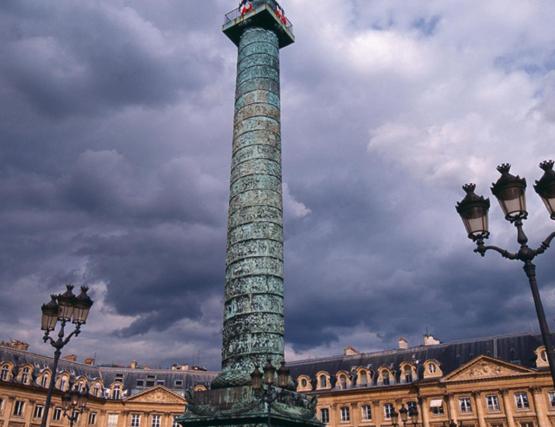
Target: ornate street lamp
(394, 417)
(73, 404)
(62, 309)
(264, 387)
(413, 414)
(545, 187)
(404, 413)
(510, 192)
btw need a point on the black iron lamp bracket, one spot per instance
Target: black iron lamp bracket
(525, 253)
(61, 341)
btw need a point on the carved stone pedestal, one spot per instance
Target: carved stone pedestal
(241, 406)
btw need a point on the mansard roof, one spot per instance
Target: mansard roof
(516, 349)
(175, 380)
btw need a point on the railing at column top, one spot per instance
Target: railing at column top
(274, 6)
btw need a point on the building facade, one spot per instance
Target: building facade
(116, 396)
(490, 382)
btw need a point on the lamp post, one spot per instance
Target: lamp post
(263, 384)
(62, 308)
(510, 192)
(405, 413)
(73, 404)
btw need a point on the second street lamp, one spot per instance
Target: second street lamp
(73, 404)
(510, 191)
(62, 308)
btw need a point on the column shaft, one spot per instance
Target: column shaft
(253, 315)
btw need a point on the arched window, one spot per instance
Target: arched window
(342, 382)
(304, 383)
(385, 377)
(25, 375)
(116, 392)
(362, 378)
(4, 374)
(44, 380)
(408, 374)
(323, 381)
(63, 383)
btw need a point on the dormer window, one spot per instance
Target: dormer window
(543, 355)
(323, 380)
(432, 368)
(5, 373)
(408, 374)
(25, 376)
(44, 380)
(342, 382)
(362, 378)
(116, 392)
(385, 377)
(304, 383)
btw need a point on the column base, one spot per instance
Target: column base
(241, 406)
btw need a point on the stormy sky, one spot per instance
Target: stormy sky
(115, 147)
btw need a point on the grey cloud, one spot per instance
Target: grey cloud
(115, 123)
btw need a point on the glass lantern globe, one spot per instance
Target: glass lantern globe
(510, 192)
(50, 314)
(545, 187)
(473, 210)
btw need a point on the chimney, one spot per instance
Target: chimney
(403, 343)
(430, 340)
(89, 361)
(133, 364)
(71, 358)
(350, 351)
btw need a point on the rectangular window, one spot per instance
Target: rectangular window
(75, 415)
(325, 415)
(140, 383)
(160, 382)
(521, 400)
(388, 410)
(366, 412)
(178, 383)
(436, 406)
(150, 383)
(57, 414)
(492, 402)
(551, 396)
(37, 413)
(465, 405)
(497, 425)
(18, 408)
(112, 420)
(437, 410)
(135, 420)
(175, 423)
(1, 405)
(92, 418)
(155, 421)
(526, 424)
(345, 414)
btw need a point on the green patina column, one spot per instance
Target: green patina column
(253, 313)
(253, 316)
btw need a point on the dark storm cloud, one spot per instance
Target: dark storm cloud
(115, 129)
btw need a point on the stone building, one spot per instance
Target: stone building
(117, 396)
(490, 382)
(487, 382)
